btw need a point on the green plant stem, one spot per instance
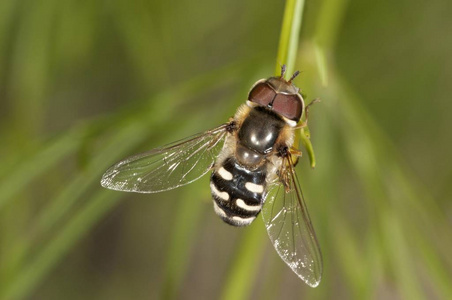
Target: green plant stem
(287, 54)
(306, 141)
(290, 31)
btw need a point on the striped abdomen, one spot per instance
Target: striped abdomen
(238, 193)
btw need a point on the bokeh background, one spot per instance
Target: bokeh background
(84, 84)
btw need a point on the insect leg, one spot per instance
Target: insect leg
(304, 123)
(295, 152)
(307, 109)
(295, 155)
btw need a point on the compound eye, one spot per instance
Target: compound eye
(262, 94)
(289, 106)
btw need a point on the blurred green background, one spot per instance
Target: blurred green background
(84, 84)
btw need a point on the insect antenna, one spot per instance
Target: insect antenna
(283, 71)
(293, 76)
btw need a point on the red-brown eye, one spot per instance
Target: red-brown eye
(262, 94)
(289, 106)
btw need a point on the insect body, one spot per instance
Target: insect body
(251, 159)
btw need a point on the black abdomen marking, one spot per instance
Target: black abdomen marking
(238, 193)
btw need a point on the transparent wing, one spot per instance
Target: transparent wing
(289, 226)
(168, 167)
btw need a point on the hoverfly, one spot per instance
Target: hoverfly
(252, 160)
